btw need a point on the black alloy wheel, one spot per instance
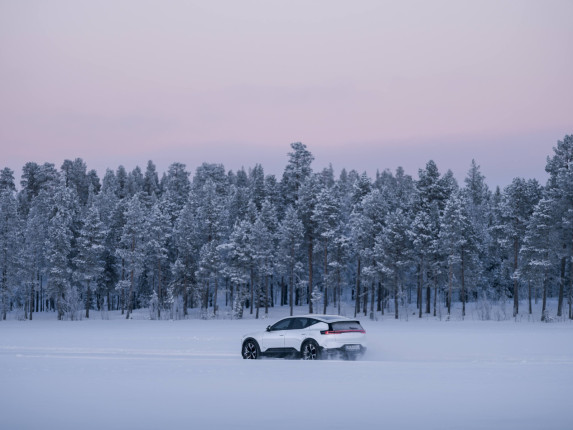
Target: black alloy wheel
(310, 351)
(250, 350)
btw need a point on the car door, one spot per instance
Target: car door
(297, 332)
(275, 335)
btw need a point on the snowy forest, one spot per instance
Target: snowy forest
(228, 243)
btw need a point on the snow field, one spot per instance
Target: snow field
(138, 374)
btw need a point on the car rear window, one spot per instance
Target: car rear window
(346, 325)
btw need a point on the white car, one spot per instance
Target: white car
(309, 336)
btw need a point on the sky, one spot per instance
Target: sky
(366, 85)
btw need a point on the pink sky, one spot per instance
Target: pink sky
(365, 85)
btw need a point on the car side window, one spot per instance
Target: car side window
(281, 325)
(309, 322)
(297, 324)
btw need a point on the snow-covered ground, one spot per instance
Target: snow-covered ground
(422, 374)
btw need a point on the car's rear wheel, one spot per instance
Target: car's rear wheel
(250, 350)
(310, 350)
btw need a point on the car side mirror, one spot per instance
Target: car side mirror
(268, 328)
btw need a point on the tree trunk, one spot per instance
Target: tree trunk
(258, 299)
(88, 299)
(365, 304)
(291, 291)
(450, 282)
(529, 297)
(435, 293)
(561, 287)
(338, 287)
(185, 296)
(159, 292)
(32, 295)
(543, 306)
(123, 300)
(310, 310)
(571, 280)
(395, 296)
(420, 287)
(515, 283)
(252, 290)
(266, 294)
(325, 278)
(129, 298)
(463, 292)
(215, 296)
(372, 298)
(357, 292)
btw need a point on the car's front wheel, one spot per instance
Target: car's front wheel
(310, 350)
(250, 350)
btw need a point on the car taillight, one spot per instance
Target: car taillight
(341, 331)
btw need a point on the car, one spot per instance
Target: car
(310, 337)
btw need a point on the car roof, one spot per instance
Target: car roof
(324, 318)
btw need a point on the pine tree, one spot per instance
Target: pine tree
(366, 223)
(89, 261)
(520, 198)
(291, 233)
(296, 172)
(9, 228)
(458, 242)
(392, 252)
(59, 250)
(185, 235)
(7, 180)
(158, 228)
(538, 246)
(307, 199)
(326, 216)
(131, 252)
(560, 190)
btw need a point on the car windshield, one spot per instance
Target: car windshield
(346, 325)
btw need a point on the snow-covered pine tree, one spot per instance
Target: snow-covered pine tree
(291, 234)
(326, 216)
(176, 188)
(158, 226)
(59, 250)
(89, 261)
(131, 252)
(75, 173)
(307, 199)
(477, 197)
(393, 252)
(538, 249)
(262, 245)
(185, 238)
(520, 198)
(560, 190)
(297, 170)
(269, 218)
(458, 243)
(9, 245)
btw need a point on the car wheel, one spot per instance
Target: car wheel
(310, 350)
(250, 350)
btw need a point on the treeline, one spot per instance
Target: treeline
(245, 241)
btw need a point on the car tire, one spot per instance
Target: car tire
(250, 350)
(310, 350)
